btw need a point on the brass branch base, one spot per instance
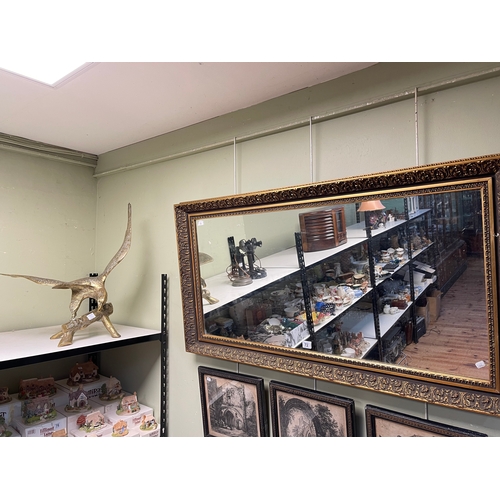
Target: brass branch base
(71, 327)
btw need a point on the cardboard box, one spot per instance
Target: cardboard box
(434, 303)
(109, 406)
(61, 397)
(106, 431)
(11, 410)
(133, 420)
(422, 309)
(151, 433)
(72, 417)
(12, 432)
(93, 389)
(43, 429)
(124, 430)
(132, 433)
(103, 432)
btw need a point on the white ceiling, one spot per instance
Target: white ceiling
(109, 105)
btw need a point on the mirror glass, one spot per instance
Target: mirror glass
(397, 280)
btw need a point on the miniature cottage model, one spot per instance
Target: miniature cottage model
(4, 395)
(120, 428)
(93, 422)
(148, 422)
(128, 405)
(78, 400)
(38, 409)
(36, 387)
(83, 373)
(112, 389)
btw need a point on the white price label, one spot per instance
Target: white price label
(307, 344)
(91, 316)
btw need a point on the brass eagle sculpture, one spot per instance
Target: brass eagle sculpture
(92, 287)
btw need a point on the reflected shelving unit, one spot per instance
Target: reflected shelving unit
(292, 274)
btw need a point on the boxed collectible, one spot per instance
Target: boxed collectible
(92, 388)
(38, 410)
(11, 409)
(149, 426)
(89, 423)
(36, 387)
(43, 429)
(111, 389)
(7, 430)
(83, 373)
(74, 417)
(133, 419)
(103, 432)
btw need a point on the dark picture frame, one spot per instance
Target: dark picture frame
(299, 412)
(232, 404)
(387, 423)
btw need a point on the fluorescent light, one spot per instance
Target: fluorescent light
(46, 72)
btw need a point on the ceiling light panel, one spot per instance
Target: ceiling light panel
(49, 73)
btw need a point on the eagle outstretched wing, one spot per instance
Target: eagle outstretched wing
(40, 281)
(120, 255)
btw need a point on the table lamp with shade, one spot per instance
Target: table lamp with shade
(374, 217)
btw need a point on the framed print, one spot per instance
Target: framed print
(298, 412)
(233, 405)
(386, 423)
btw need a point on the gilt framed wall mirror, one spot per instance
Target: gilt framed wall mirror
(386, 282)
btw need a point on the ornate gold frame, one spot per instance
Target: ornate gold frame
(435, 388)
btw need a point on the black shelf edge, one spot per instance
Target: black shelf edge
(77, 351)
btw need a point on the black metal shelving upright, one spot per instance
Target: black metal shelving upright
(164, 357)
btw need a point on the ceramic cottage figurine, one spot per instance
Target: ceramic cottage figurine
(128, 405)
(120, 429)
(78, 401)
(111, 390)
(148, 422)
(4, 395)
(91, 287)
(83, 373)
(36, 387)
(38, 410)
(91, 422)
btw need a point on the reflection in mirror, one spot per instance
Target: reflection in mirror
(401, 281)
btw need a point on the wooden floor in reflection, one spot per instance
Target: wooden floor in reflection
(459, 338)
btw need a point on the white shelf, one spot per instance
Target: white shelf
(359, 230)
(362, 321)
(311, 258)
(277, 266)
(35, 344)
(339, 312)
(221, 288)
